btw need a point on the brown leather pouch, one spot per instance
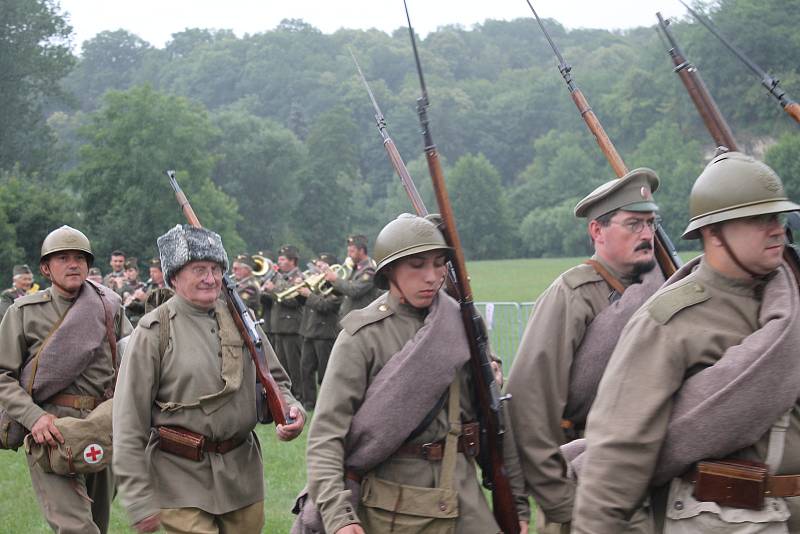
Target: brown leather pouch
(181, 442)
(736, 483)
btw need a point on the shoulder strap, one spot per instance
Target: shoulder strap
(777, 442)
(451, 441)
(610, 279)
(112, 340)
(163, 330)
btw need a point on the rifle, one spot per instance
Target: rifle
(244, 323)
(391, 150)
(665, 252)
(490, 408)
(789, 106)
(717, 125)
(703, 101)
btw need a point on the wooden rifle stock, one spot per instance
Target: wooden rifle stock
(490, 409)
(793, 110)
(244, 323)
(665, 253)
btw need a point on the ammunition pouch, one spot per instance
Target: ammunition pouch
(192, 445)
(402, 509)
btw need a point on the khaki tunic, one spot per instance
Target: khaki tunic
(7, 298)
(250, 292)
(539, 382)
(355, 360)
(24, 328)
(687, 325)
(358, 289)
(190, 368)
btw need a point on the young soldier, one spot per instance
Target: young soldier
(358, 289)
(686, 383)
(396, 410)
(21, 282)
(71, 374)
(133, 291)
(286, 315)
(116, 278)
(622, 218)
(188, 377)
(318, 330)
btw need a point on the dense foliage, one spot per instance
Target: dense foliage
(274, 138)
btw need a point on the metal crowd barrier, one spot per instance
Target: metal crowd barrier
(506, 322)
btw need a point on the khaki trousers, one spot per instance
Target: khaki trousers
(67, 511)
(247, 520)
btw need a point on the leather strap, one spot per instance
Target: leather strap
(783, 486)
(222, 447)
(78, 402)
(468, 444)
(610, 279)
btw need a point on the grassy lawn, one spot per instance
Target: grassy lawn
(284, 463)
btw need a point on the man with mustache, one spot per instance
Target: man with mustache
(692, 378)
(21, 283)
(622, 220)
(58, 359)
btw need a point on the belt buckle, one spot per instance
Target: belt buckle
(431, 451)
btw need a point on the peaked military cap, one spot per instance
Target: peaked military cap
(290, 251)
(245, 259)
(22, 269)
(328, 258)
(358, 240)
(95, 271)
(132, 263)
(155, 262)
(632, 192)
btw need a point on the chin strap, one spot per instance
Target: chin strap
(729, 250)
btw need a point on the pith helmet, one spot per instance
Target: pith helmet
(733, 186)
(66, 238)
(405, 236)
(632, 192)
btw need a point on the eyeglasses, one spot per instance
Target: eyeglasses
(202, 271)
(635, 226)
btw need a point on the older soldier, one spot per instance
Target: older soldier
(186, 454)
(74, 372)
(705, 369)
(246, 284)
(318, 330)
(156, 280)
(21, 282)
(622, 218)
(286, 316)
(358, 289)
(116, 278)
(397, 408)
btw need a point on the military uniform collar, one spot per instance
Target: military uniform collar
(625, 280)
(183, 306)
(401, 308)
(710, 276)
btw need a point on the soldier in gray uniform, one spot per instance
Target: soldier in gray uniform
(286, 315)
(246, 284)
(700, 324)
(390, 365)
(621, 215)
(318, 330)
(358, 289)
(21, 282)
(73, 373)
(186, 454)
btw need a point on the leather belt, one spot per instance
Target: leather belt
(776, 485)
(78, 402)
(468, 443)
(222, 447)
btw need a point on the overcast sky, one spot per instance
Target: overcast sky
(156, 20)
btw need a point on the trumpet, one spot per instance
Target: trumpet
(316, 282)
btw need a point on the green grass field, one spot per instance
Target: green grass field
(284, 463)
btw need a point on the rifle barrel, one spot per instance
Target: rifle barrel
(772, 84)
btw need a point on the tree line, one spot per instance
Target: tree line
(273, 137)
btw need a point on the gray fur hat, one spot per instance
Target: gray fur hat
(185, 243)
